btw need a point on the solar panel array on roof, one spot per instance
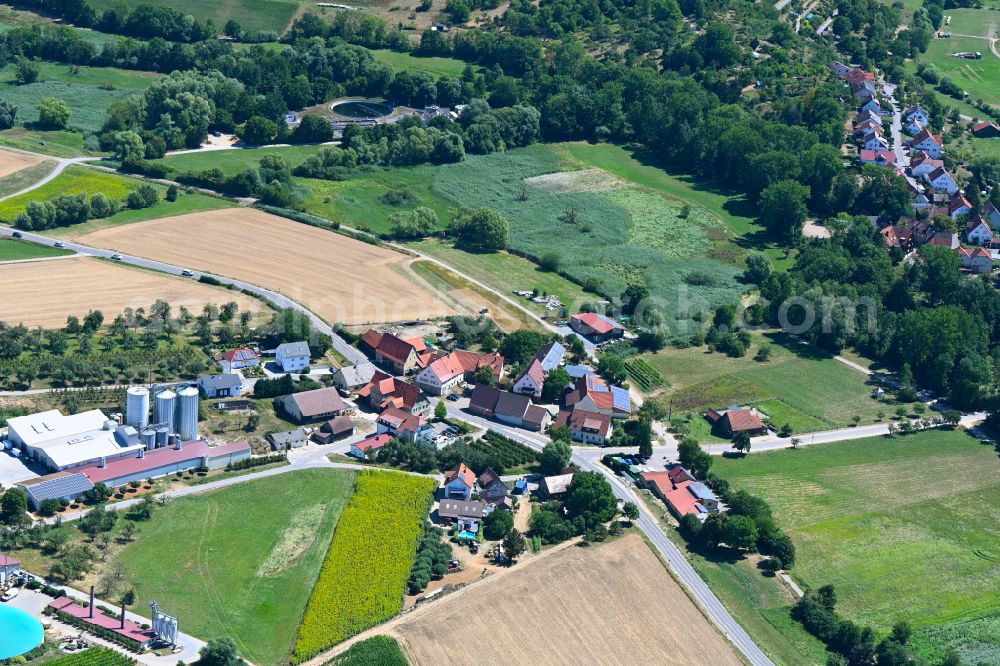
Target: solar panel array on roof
(621, 399)
(70, 485)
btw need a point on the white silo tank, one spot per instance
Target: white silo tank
(137, 407)
(148, 437)
(164, 407)
(187, 413)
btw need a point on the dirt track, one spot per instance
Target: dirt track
(339, 278)
(43, 293)
(609, 604)
(11, 162)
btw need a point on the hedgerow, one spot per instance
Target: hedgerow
(364, 576)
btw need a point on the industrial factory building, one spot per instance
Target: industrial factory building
(65, 442)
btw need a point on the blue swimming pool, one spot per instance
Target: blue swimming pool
(19, 632)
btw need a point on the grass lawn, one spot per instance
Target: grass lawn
(17, 181)
(980, 78)
(502, 268)
(412, 63)
(759, 603)
(252, 15)
(202, 559)
(807, 389)
(55, 143)
(12, 250)
(904, 528)
(231, 162)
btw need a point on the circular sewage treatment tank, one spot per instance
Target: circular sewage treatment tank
(361, 109)
(19, 632)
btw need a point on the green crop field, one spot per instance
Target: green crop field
(56, 143)
(87, 90)
(15, 250)
(806, 389)
(601, 228)
(252, 15)
(905, 528)
(241, 561)
(78, 179)
(970, 29)
(507, 272)
(374, 651)
(411, 63)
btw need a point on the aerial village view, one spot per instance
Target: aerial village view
(453, 332)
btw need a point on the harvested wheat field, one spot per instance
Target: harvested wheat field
(11, 162)
(45, 292)
(608, 604)
(339, 278)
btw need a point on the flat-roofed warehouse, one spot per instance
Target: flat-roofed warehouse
(63, 442)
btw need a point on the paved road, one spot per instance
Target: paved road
(651, 526)
(279, 300)
(61, 164)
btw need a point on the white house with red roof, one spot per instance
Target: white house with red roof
(459, 482)
(923, 164)
(977, 231)
(596, 327)
(405, 425)
(869, 116)
(586, 427)
(868, 126)
(592, 394)
(976, 259)
(929, 143)
(959, 206)
(446, 372)
(941, 180)
(370, 443)
(237, 359)
(877, 157)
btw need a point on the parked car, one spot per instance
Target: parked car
(16, 234)
(453, 397)
(58, 244)
(10, 594)
(187, 273)
(116, 256)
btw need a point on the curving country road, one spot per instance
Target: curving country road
(61, 164)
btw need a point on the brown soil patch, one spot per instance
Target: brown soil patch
(11, 162)
(583, 180)
(339, 278)
(44, 293)
(609, 604)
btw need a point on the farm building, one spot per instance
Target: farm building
(290, 439)
(393, 353)
(221, 386)
(596, 327)
(586, 427)
(57, 486)
(334, 429)
(353, 377)
(292, 356)
(681, 492)
(445, 373)
(237, 359)
(370, 443)
(592, 394)
(65, 442)
(510, 408)
(986, 129)
(160, 462)
(731, 421)
(317, 405)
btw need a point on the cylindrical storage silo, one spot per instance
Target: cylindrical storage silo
(148, 437)
(174, 440)
(164, 407)
(137, 407)
(187, 413)
(162, 432)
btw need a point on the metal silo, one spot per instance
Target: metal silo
(164, 407)
(148, 437)
(137, 407)
(187, 413)
(162, 433)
